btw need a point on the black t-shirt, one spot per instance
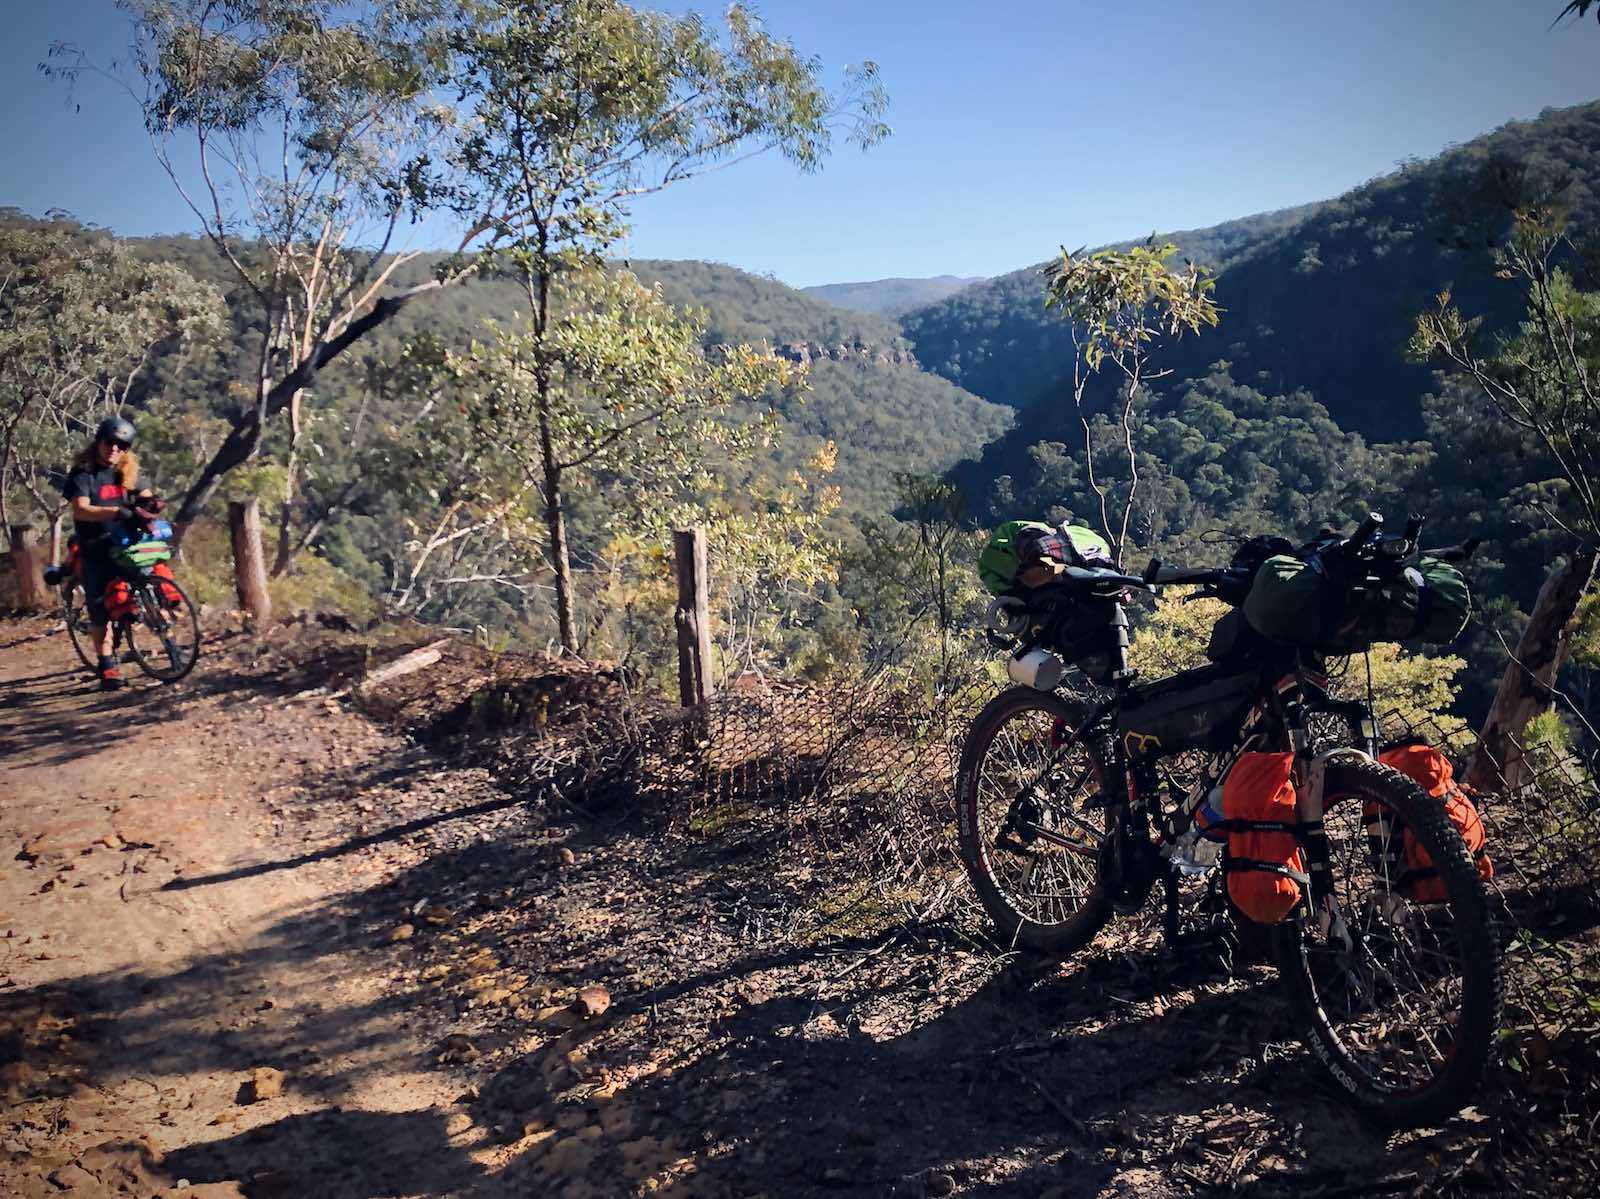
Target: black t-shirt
(102, 488)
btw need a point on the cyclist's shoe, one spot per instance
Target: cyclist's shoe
(110, 674)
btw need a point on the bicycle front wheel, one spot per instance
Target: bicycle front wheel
(1399, 999)
(1030, 839)
(164, 631)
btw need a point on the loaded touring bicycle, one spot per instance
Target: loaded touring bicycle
(1070, 810)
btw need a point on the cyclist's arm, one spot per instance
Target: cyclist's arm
(84, 510)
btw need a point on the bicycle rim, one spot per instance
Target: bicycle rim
(1403, 996)
(1042, 865)
(173, 629)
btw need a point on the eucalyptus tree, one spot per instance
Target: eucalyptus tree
(303, 136)
(1542, 380)
(575, 108)
(613, 391)
(1120, 304)
(82, 323)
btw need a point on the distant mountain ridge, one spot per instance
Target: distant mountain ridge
(891, 297)
(1320, 297)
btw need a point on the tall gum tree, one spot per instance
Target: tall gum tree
(307, 136)
(577, 108)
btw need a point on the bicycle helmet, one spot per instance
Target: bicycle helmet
(114, 428)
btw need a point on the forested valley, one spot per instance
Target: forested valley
(397, 488)
(552, 735)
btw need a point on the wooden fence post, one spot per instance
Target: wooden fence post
(693, 617)
(32, 595)
(249, 563)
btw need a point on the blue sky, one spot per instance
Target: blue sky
(1019, 124)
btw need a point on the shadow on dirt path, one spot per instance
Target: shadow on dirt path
(294, 954)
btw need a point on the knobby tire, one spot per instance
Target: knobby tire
(1410, 1101)
(977, 827)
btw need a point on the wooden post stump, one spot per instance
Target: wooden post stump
(249, 562)
(693, 618)
(32, 594)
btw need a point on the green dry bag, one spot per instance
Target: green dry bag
(1288, 601)
(1004, 557)
(1018, 544)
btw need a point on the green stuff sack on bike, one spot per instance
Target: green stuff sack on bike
(1019, 544)
(1289, 601)
(141, 554)
(1428, 602)
(1297, 602)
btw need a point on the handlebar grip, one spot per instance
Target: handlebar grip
(1413, 529)
(1366, 530)
(1079, 574)
(1184, 574)
(1152, 571)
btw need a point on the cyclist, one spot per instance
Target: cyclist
(103, 488)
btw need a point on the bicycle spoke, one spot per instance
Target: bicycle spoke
(1044, 866)
(1395, 995)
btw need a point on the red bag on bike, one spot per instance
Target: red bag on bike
(171, 594)
(119, 599)
(1418, 879)
(1263, 862)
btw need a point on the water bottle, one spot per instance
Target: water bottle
(1197, 849)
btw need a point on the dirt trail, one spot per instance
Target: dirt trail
(169, 903)
(241, 874)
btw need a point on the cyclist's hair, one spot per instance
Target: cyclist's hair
(127, 469)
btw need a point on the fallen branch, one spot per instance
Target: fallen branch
(417, 659)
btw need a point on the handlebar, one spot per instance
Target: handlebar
(1455, 553)
(1157, 572)
(1365, 532)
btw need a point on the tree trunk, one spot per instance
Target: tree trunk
(249, 563)
(240, 444)
(55, 534)
(32, 594)
(1527, 687)
(556, 521)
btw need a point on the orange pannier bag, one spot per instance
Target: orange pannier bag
(1419, 880)
(119, 599)
(171, 594)
(1263, 862)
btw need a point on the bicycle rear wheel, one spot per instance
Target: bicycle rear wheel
(1400, 1000)
(1029, 839)
(164, 631)
(76, 613)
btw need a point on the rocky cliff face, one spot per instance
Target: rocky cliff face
(806, 352)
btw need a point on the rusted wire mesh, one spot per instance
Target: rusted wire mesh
(1543, 838)
(852, 779)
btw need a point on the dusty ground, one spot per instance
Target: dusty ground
(255, 942)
